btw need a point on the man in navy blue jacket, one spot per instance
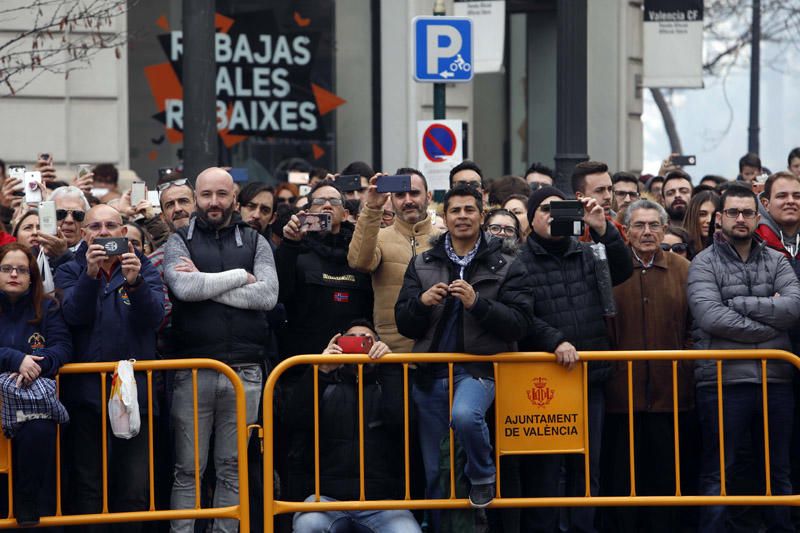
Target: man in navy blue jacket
(114, 306)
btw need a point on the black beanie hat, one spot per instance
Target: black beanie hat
(538, 197)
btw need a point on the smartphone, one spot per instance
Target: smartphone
(32, 187)
(304, 189)
(567, 218)
(113, 245)
(47, 218)
(315, 221)
(17, 172)
(138, 192)
(84, 169)
(355, 344)
(298, 178)
(400, 183)
(684, 160)
(348, 183)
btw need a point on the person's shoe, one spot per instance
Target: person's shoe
(481, 495)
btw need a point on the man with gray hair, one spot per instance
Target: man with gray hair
(222, 280)
(652, 314)
(71, 208)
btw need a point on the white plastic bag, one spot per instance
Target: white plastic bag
(123, 405)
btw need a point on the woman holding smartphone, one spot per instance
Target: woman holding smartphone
(34, 343)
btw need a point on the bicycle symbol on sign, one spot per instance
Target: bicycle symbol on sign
(460, 64)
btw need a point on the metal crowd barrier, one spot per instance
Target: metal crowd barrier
(274, 507)
(239, 512)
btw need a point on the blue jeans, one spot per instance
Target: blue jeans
(471, 399)
(743, 416)
(216, 412)
(397, 521)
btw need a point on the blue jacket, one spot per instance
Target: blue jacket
(49, 338)
(109, 321)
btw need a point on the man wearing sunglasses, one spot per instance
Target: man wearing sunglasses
(743, 295)
(71, 208)
(652, 314)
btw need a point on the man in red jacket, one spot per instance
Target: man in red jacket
(780, 216)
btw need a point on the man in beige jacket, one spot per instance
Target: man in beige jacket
(386, 252)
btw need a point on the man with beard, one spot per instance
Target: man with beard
(676, 193)
(591, 179)
(743, 295)
(222, 280)
(386, 252)
(257, 206)
(321, 292)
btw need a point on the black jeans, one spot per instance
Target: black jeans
(127, 470)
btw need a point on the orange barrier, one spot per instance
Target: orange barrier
(239, 512)
(274, 507)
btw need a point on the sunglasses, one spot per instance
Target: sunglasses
(77, 215)
(285, 200)
(678, 247)
(166, 185)
(335, 202)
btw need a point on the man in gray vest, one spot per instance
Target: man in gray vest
(221, 276)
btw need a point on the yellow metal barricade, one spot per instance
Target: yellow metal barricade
(104, 370)
(539, 394)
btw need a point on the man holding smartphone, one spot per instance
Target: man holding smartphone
(569, 318)
(321, 292)
(386, 252)
(113, 305)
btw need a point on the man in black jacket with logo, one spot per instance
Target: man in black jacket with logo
(321, 292)
(465, 294)
(222, 281)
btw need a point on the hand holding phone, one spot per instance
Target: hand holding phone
(314, 221)
(113, 245)
(138, 193)
(47, 218)
(567, 218)
(32, 187)
(399, 184)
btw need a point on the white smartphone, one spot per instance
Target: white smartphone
(138, 192)
(47, 218)
(152, 197)
(33, 187)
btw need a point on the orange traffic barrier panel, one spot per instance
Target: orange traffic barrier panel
(540, 408)
(240, 512)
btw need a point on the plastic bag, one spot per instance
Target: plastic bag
(123, 405)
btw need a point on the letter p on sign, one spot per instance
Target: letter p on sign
(443, 49)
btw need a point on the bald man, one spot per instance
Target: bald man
(221, 276)
(113, 304)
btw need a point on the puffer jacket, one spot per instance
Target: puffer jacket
(566, 295)
(734, 306)
(385, 253)
(501, 315)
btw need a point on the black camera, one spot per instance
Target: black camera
(567, 218)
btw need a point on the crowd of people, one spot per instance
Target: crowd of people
(241, 273)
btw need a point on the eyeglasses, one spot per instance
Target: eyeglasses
(654, 226)
(622, 194)
(21, 270)
(335, 202)
(498, 229)
(734, 213)
(388, 215)
(286, 199)
(678, 247)
(544, 208)
(77, 215)
(475, 184)
(177, 183)
(97, 226)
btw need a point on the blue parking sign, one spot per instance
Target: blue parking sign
(443, 49)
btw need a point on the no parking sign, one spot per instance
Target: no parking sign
(440, 149)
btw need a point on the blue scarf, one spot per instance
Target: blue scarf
(462, 262)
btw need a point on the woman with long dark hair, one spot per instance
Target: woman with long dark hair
(34, 343)
(699, 219)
